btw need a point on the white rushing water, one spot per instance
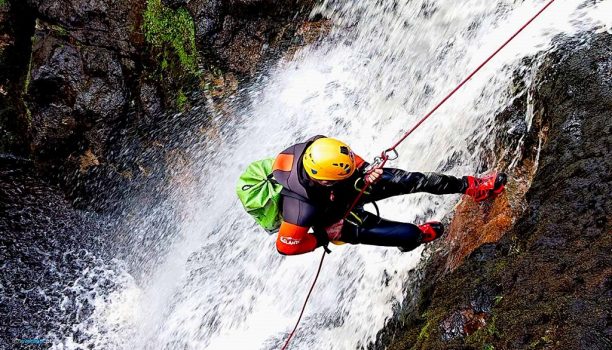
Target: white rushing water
(222, 285)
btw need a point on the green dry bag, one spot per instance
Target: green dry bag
(260, 194)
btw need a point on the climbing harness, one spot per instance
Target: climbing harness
(391, 152)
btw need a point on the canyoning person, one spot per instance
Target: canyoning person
(320, 179)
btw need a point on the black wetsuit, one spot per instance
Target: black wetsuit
(393, 182)
(308, 204)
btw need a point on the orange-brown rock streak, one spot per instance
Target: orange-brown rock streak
(475, 224)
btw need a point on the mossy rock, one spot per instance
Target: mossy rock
(172, 32)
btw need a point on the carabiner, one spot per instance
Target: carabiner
(374, 165)
(358, 188)
(393, 151)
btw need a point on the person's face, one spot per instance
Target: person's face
(325, 183)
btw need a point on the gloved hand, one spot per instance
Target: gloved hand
(334, 231)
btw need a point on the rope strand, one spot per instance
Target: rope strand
(305, 302)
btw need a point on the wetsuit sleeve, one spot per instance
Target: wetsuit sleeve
(293, 236)
(293, 239)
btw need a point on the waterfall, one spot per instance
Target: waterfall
(219, 283)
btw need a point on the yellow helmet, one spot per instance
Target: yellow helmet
(329, 159)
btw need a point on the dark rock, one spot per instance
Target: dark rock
(84, 64)
(236, 34)
(16, 27)
(208, 17)
(549, 276)
(76, 94)
(113, 24)
(95, 80)
(595, 340)
(485, 252)
(462, 323)
(174, 4)
(150, 99)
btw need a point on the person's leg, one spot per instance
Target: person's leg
(396, 182)
(376, 231)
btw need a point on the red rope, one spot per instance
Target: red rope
(469, 76)
(384, 156)
(305, 302)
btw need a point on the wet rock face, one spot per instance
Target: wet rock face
(546, 283)
(76, 94)
(93, 80)
(462, 323)
(566, 232)
(112, 24)
(16, 27)
(174, 4)
(236, 34)
(81, 57)
(79, 83)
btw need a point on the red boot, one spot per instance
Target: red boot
(430, 231)
(485, 187)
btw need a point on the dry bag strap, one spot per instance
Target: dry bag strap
(269, 178)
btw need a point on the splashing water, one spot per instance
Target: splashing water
(221, 284)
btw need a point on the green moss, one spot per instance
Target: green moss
(171, 31)
(181, 100)
(28, 77)
(424, 333)
(540, 343)
(483, 337)
(500, 266)
(26, 85)
(59, 30)
(2, 2)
